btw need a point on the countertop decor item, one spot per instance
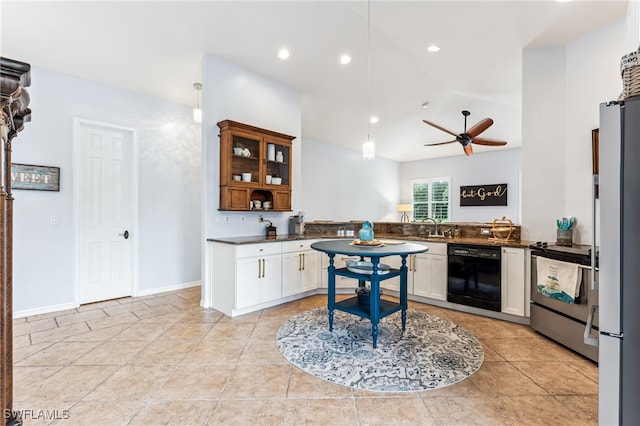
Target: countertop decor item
(366, 232)
(564, 234)
(366, 243)
(436, 353)
(502, 229)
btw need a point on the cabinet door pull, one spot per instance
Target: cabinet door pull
(303, 261)
(264, 269)
(259, 269)
(299, 261)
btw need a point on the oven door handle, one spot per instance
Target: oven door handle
(589, 337)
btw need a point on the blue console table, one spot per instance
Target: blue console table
(377, 308)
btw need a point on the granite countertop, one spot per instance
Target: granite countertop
(253, 239)
(282, 238)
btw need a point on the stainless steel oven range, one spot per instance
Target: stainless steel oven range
(564, 322)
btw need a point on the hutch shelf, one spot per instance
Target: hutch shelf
(255, 165)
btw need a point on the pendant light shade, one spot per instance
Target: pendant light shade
(369, 150)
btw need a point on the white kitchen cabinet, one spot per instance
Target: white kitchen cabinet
(245, 277)
(514, 284)
(259, 280)
(339, 261)
(429, 272)
(300, 267)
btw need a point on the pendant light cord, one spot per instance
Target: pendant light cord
(369, 71)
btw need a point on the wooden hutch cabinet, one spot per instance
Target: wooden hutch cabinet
(255, 164)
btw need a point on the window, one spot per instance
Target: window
(430, 199)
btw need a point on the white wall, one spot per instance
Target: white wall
(563, 87)
(169, 177)
(230, 92)
(339, 185)
(485, 168)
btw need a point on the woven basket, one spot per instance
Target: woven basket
(630, 71)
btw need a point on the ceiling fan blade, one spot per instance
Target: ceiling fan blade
(440, 143)
(440, 128)
(480, 127)
(489, 142)
(468, 150)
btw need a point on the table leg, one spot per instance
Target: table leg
(331, 299)
(403, 291)
(374, 301)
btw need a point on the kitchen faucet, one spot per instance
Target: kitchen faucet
(434, 222)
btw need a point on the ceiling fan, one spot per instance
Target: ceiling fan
(468, 137)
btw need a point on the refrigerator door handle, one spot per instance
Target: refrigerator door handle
(589, 337)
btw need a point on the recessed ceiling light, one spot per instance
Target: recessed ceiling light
(433, 48)
(345, 59)
(283, 53)
(374, 119)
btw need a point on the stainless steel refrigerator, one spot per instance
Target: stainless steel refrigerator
(619, 263)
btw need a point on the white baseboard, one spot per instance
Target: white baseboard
(164, 289)
(65, 306)
(44, 310)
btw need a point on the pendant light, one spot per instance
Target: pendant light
(197, 112)
(369, 147)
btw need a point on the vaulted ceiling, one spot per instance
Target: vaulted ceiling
(157, 47)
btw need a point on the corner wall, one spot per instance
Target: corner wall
(562, 89)
(169, 178)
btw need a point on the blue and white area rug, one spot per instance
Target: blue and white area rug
(432, 353)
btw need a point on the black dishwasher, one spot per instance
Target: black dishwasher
(473, 276)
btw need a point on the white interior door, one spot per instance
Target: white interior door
(103, 185)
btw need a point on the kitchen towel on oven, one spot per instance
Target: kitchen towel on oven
(558, 280)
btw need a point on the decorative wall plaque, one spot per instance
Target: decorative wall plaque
(40, 178)
(484, 195)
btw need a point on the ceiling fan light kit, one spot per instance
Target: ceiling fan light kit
(467, 138)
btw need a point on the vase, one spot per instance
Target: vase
(366, 232)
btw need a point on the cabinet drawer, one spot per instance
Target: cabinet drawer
(298, 245)
(252, 250)
(437, 248)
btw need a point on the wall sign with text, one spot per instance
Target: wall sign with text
(484, 195)
(40, 178)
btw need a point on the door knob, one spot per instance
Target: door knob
(125, 235)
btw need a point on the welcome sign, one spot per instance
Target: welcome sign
(484, 195)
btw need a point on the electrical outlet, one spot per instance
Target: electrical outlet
(485, 231)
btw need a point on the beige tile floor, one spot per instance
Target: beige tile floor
(163, 360)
